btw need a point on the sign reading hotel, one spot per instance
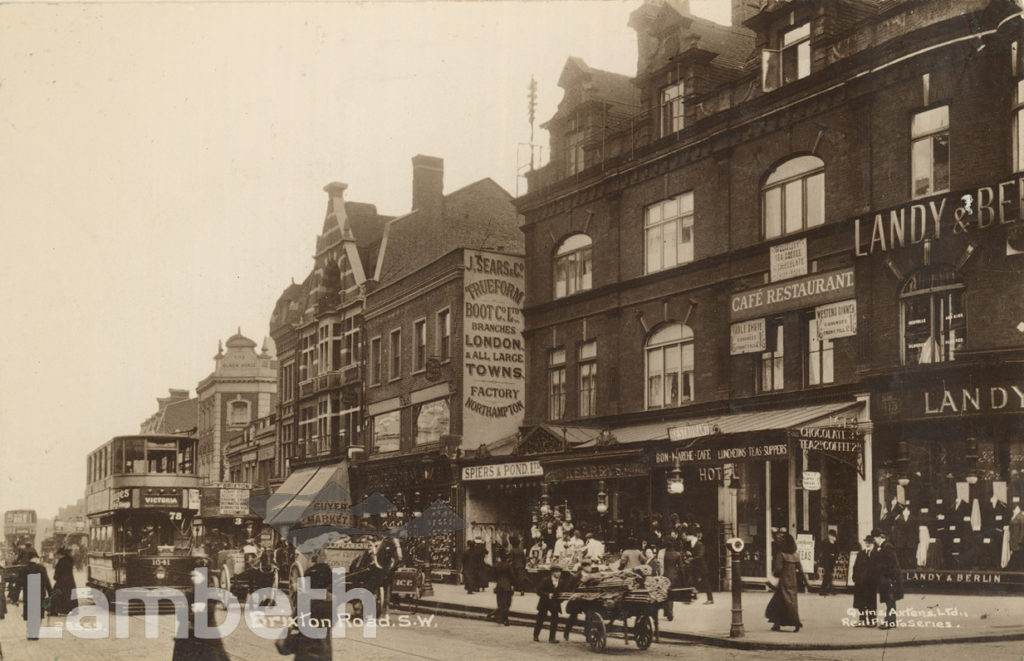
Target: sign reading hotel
(836, 320)
(494, 356)
(788, 260)
(502, 471)
(811, 290)
(957, 214)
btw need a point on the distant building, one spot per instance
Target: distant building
(241, 388)
(250, 456)
(175, 414)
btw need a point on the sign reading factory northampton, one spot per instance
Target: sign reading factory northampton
(494, 363)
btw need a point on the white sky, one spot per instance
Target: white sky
(162, 170)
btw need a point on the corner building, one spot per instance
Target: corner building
(777, 284)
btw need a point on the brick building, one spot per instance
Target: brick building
(444, 351)
(785, 290)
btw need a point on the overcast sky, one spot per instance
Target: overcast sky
(162, 171)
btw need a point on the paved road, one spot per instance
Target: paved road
(450, 639)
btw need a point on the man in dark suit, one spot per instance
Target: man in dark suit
(827, 559)
(698, 566)
(548, 605)
(885, 568)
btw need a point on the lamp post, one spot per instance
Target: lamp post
(675, 480)
(602, 499)
(736, 627)
(972, 460)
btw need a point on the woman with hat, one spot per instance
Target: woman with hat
(35, 567)
(63, 583)
(865, 598)
(782, 610)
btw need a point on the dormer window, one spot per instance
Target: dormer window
(574, 147)
(791, 62)
(671, 109)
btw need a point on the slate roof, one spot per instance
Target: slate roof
(479, 216)
(177, 417)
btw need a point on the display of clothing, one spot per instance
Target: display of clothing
(923, 542)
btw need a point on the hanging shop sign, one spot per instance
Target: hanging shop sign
(684, 432)
(843, 444)
(602, 471)
(769, 447)
(811, 481)
(965, 212)
(494, 358)
(949, 398)
(836, 320)
(814, 289)
(502, 471)
(747, 337)
(788, 260)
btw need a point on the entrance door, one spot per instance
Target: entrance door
(763, 502)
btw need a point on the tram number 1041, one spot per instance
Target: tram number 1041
(161, 562)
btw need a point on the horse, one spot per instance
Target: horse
(373, 569)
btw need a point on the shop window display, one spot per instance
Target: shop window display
(949, 505)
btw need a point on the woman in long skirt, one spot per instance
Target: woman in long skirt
(782, 610)
(63, 584)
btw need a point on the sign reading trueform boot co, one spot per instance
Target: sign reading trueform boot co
(494, 360)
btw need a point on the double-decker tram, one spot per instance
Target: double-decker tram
(142, 494)
(19, 528)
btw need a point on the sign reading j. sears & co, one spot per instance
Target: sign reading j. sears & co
(494, 356)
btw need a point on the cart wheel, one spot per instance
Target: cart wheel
(595, 632)
(643, 632)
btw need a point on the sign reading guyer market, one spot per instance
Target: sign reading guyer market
(814, 289)
(494, 356)
(502, 471)
(963, 212)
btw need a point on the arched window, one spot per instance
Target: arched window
(573, 265)
(669, 365)
(793, 196)
(933, 318)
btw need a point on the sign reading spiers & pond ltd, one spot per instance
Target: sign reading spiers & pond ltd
(494, 356)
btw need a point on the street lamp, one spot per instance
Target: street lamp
(972, 460)
(545, 506)
(675, 480)
(602, 498)
(902, 462)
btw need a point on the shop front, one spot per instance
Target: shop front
(414, 484)
(950, 478)
(745, 475)
(501, 498)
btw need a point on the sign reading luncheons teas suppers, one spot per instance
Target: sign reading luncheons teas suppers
(494, 356)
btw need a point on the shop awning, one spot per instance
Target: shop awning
(326, 485)
(737, 423)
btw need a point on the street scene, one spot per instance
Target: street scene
(660, 328)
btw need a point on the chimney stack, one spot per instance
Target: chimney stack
(427, 183)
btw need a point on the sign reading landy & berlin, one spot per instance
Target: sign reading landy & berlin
(494, 356)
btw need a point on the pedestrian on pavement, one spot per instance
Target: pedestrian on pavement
(503, 587)
(827, 561)
(470, 573)
(674, 571)
(63, 584)
(782, 610)
(865, 594)
(517, 561)
(35, 567)
(885, 567)
(189, 647)
(548, 604)
(483, 573)
(1016, 543)
(698, 567)
(631, 556)
(574, 608)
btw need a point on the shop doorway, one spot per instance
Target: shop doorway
(763, 502)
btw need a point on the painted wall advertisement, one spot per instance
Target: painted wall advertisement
(494, 360)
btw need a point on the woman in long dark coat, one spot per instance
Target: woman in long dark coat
(782, 610)
(674, 570)
(63, 584)
(35, 566)
(865, 597)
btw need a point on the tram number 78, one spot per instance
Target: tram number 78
(174, 516)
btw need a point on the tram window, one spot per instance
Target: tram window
(135, 455)
(162, 456)
(117, 456)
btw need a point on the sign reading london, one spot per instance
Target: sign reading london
(814, 289)
(494, 359)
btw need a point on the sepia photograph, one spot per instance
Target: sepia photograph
(512, 330)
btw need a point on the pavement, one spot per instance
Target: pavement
(828, 621)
